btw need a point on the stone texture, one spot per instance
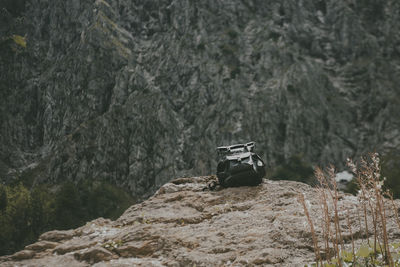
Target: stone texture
(138, 249)
(136, 92)
(245, 226)
(41, 245)
(62, 260)
(23, 255)
(93, 255)
(73, 245)
(57, 235)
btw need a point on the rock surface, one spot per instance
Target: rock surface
(182, 225)
(136, 92)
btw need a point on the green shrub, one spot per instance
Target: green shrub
(42, 209)
(295, 169)
(15, 220)
(364, 256)
(3, 198)
(391, 171)
(25, 214)
(108, 201)
(69, 211)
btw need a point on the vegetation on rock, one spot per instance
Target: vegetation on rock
(390, 172)
(26, 213)
(19, 40)
(295, 169)
(373, 201)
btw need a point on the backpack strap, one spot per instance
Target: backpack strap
(211, 186)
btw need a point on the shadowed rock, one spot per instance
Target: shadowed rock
(93, 255)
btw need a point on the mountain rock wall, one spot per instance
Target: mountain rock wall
(136, 92)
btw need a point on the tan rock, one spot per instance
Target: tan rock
(23, 255)
(93, 255)
(138, 249)
(42, 245)
(245, 226)
(57, 235)
(73, 245)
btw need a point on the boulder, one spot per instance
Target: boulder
(244, 226)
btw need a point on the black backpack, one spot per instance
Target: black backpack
(239, 166)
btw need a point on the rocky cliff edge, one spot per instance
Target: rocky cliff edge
(183, 225)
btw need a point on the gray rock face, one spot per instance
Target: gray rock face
(136, 92)
(181, 225)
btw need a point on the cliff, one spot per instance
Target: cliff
(136, 92)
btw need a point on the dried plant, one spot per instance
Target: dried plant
(371, 203)
(314, 236)
(328, 193)
(351, 232)
(326, 229)
(370, 184)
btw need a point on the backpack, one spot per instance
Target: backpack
(239, 166)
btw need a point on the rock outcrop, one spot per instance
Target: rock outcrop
(182, 225)
(136, 92)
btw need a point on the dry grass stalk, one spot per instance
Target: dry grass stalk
(335, 198)
(324, 206)
(371, 201)
(351, 232)
(367, 174)
(362, 195)
(314, 237)
(328, 184)
(324, 234)
(359, 223)
(371, 193)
